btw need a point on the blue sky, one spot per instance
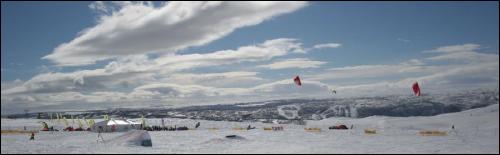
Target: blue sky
(47, 51)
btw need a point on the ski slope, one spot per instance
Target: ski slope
(476, 131)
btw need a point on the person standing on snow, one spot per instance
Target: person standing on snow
(99, 135)
(32, 136)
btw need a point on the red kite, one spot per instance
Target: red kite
(416, 89)
(297, 80)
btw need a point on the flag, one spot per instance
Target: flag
(143, 121)
(162, 122)
(80, 124)
(65, 122)
(297, 80)
(416, 89)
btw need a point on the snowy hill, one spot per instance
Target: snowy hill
(476, 131)
(309, 109)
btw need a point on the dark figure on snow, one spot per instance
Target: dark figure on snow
(99, 135)
(197, 124)
(32, 136)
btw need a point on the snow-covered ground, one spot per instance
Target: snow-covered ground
(476, 131)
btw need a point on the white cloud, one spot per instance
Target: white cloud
(415, 62)
(175, 93)
(143, 81)
(472, 75)
(470, 69)
(328, 45)
(287, 88)
(264, 51)
(99, 7)
(139, 28)
(294, 63)
(79, 81)
(132, 71)
(11, 84)
(373, 89)
(465, 56)
(174, 63)
(223, 79)
(127, 73)
(370, 71)
(47, 83)
(462, 53)
(455, 48)
(317, 47)
(167, 91)
(278, 89)
(403, 40)
(461, 78)
(362, 71)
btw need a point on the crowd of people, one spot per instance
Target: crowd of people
(165, 128)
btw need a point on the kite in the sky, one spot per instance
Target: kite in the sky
(297, 80)
(416, 89)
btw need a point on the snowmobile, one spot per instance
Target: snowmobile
(342, 127)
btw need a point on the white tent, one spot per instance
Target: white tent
(118, 125)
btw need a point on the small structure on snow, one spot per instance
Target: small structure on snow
(116, 125)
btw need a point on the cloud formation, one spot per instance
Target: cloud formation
(132, 71)
(294, 63)
(140, 28)
(328, 45)
(140, 79)
(469, 69)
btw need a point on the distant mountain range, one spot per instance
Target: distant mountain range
(304, 109)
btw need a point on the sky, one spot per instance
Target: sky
(96, 55)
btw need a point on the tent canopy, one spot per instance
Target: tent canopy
(121, 122)
(113, 125)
